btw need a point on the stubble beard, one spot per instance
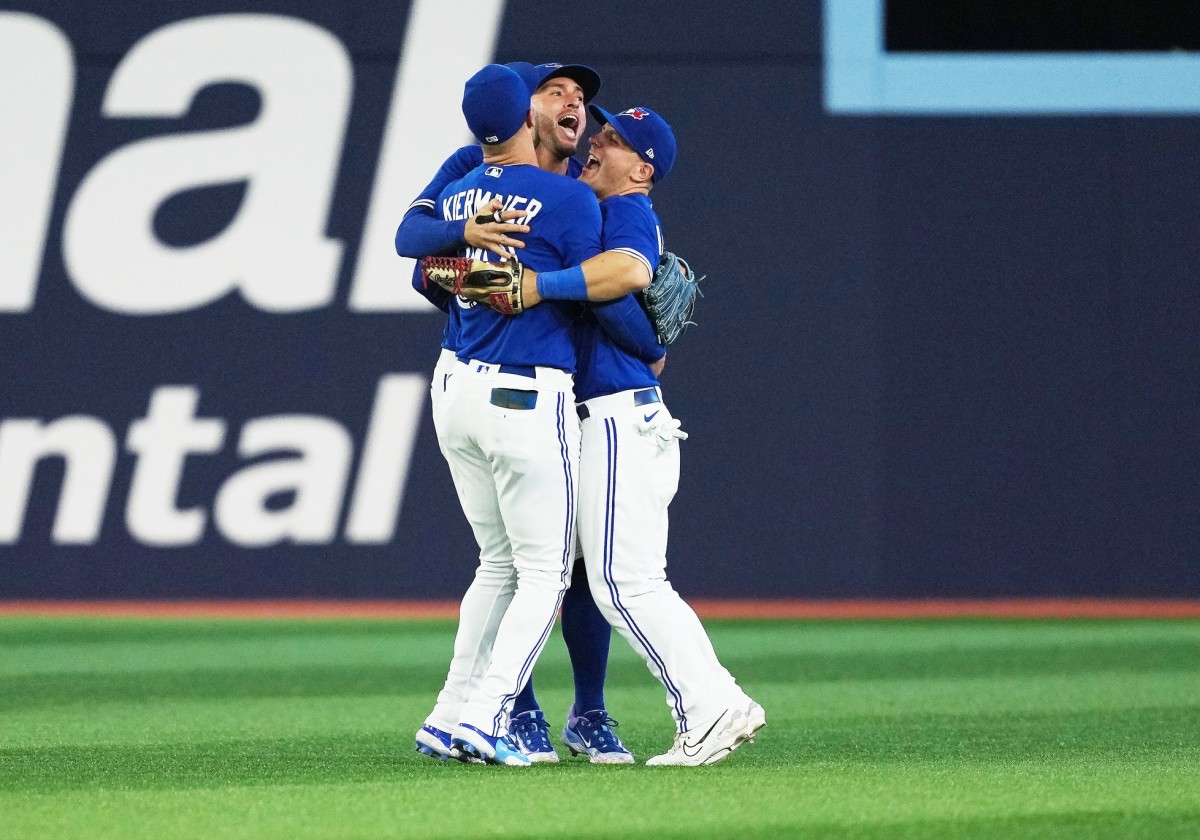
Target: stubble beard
(547, 128)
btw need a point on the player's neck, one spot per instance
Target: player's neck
(549, 161)
(628, 189)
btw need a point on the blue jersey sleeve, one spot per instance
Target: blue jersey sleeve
(422, 233)
(625, 323)
(632, 228)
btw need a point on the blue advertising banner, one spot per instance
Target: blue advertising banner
(942, 350)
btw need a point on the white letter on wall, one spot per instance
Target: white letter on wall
(162, 440)
(275, 250)
(37, 82)
(383, 470)
(317, 479)
(87, 446)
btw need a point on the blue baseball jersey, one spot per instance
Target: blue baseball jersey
(564, 220)
(422, 233)
(631, 227)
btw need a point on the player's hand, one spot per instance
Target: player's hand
(529, 293)
(492, 229)
(657, 367)
(664, 433)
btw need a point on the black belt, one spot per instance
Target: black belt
(646, 396)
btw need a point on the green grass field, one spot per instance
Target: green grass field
(880, 729)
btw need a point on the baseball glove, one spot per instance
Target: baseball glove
(670, 299)
(497, 284)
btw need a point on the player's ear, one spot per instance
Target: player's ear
(529, 118)
(643, 173)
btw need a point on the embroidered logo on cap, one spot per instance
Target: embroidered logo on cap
(636, 113)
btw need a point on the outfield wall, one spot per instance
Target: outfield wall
(948, 347)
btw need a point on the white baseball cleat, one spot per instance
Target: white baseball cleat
(714, 741)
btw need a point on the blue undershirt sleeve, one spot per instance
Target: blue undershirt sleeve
(624, 321)
(422, 234)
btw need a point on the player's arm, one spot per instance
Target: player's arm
(422, 233)
(624, 321)
(631, 246)
(606, 276)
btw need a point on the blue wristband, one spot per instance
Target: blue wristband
(565, 284)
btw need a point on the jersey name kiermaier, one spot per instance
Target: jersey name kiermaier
(564, 220)
(631, 227)
(458, 165)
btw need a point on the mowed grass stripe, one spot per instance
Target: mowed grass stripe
(299, 660)
(836, 635)
(1149, 736)
(1122, 800)
(811, 705)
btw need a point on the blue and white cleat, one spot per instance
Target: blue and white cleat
(433, 742)
(469, 743)
(532, 734)
(591, 734)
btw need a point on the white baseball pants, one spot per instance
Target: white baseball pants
(512, 443)
(628, 476)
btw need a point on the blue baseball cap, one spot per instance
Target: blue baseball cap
(646, 132)
(495, 103)
(530, 74)
(586, 77)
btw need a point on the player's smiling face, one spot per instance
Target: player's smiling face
(610, 163)
(559, 115)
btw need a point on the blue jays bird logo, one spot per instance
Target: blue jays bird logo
(636, 113)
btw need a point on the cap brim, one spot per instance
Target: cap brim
(601, 116)
(587, 78)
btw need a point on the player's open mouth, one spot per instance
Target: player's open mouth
(570, 124)
(592, 162)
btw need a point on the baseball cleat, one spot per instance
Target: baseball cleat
(469, 743)
(532, 734)
(591, 734)
(433, 742)
(713, 742)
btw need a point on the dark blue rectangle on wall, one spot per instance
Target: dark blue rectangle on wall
(936, 356)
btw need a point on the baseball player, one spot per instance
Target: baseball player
(629, 462)
(558, 96)
(508, 429)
